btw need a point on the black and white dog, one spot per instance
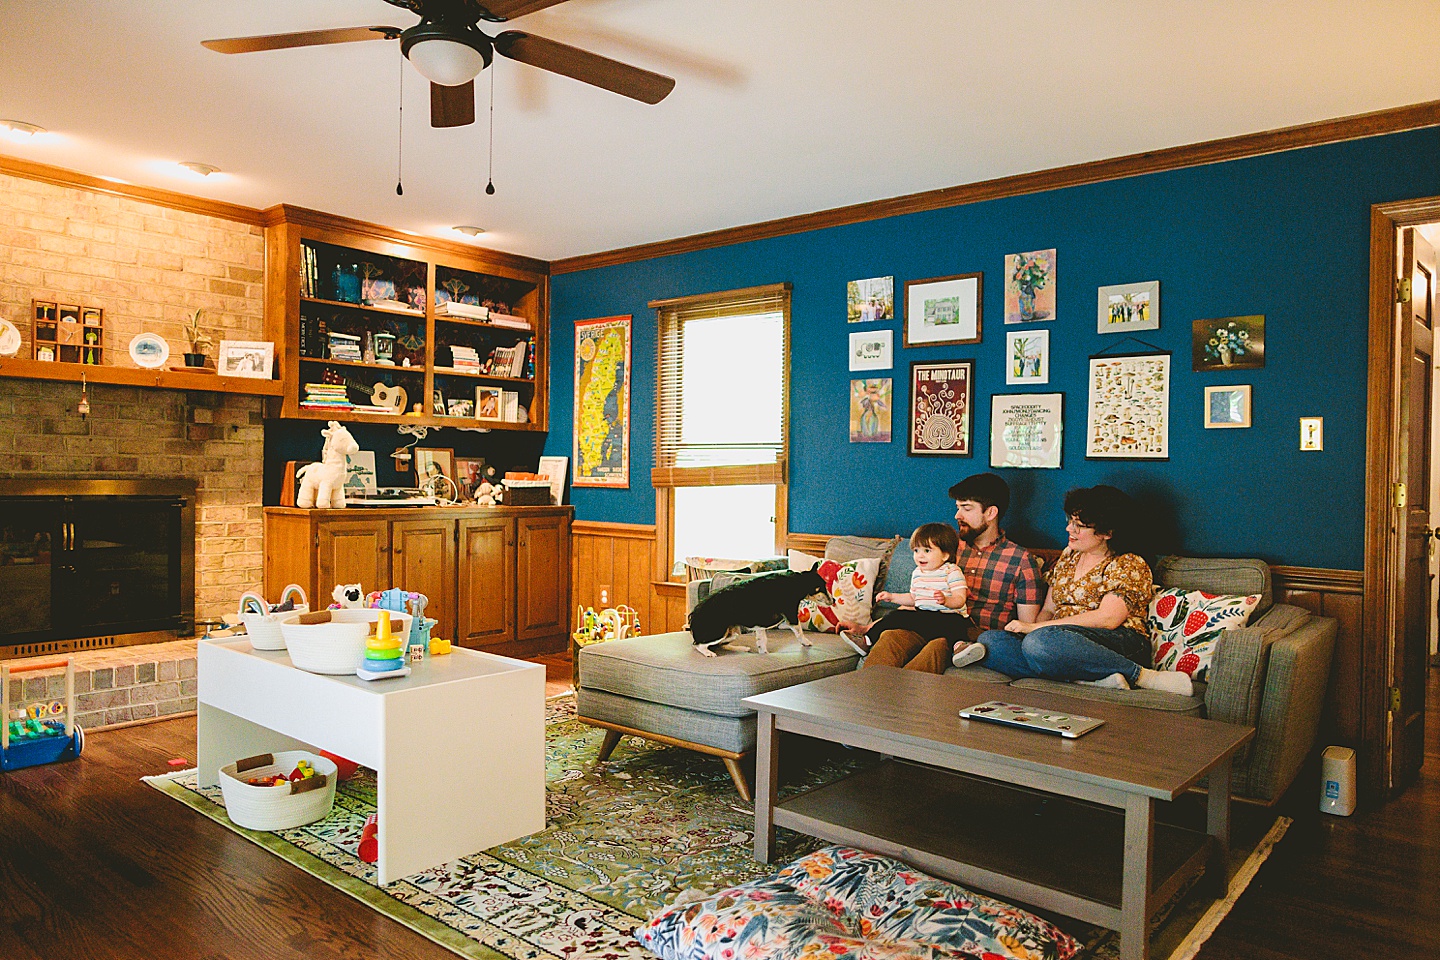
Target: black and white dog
(761, 603)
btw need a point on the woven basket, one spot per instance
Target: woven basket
(276, 808)
(262, 626)
(703, 568)
(526, 493)
(338, 645)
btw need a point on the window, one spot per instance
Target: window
(721, 424)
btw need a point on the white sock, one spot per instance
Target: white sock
(1116, 681)
(1169, 681)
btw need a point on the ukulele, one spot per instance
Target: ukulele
(381, 394)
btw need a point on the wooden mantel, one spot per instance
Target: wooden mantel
(136, 377)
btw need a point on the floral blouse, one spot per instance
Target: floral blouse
(1127, 576)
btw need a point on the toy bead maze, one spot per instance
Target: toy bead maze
(37, 735)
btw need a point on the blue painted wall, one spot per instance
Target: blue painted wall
(1285, 235)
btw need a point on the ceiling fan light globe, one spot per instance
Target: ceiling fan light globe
(446, 62)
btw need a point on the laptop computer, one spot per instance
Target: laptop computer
(1046, 721)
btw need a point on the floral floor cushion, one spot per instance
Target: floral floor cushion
(841, 903)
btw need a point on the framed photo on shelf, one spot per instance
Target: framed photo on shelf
(1127, 307)
(456, 407)
(1128, 414)
(1227, 408)
(601, 442)
(469, 471)
(941, 396)
(943, 310)
(360, 473)
(1027, 355)
(489, 403)
(437, 403)
(1027, 430)
(245, 358)
(872, 350)
(432, 460)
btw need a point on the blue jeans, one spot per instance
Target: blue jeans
(1066, 652)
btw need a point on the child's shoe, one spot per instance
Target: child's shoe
(968, 654)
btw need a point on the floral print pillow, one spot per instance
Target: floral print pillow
(841, 903)
(851, 586)
(1186, 627)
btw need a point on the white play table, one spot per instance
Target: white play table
(458, 746)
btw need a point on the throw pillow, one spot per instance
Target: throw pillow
(798, 561)
(851, 586)
(841, 549)
(1186, 625)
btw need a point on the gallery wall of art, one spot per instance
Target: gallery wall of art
(1284, 237)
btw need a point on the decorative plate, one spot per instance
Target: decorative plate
(149, 350)
(9, 339)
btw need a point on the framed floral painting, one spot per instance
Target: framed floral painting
(1030, 286)
(1229, 343)
(941, 400)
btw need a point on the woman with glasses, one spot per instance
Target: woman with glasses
(1092, 626)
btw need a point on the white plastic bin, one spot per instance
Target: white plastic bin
(1337, 781)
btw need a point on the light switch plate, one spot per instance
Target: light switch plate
(1312, 433)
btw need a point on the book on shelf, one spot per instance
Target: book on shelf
(309, 271)
(467, 311)
(394, 305)
(509, 406)
(344, 346)
(510, 321)
(517, 362)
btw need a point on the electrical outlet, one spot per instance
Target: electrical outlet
(604, 594)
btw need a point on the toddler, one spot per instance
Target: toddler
(936, 604)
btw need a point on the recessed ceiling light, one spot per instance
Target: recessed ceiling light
(19, 129)
(469, 230)
(203, 169)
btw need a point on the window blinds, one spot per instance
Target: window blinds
(723, 388)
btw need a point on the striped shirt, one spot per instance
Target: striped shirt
(924, 583)
(1001, 576)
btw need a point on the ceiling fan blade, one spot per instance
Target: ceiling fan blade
(584, 66)
(452, 106)
(306, 38)
(497, 10)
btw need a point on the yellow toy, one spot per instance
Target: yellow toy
(612, 623)
(439, 646)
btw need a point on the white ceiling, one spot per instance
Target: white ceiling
(780, 108)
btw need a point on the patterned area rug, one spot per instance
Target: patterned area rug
(623, 838)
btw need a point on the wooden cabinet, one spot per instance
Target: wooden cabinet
(497, 577)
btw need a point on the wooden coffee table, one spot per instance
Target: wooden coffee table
(1063, 825)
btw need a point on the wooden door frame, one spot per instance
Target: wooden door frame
(1381, 445)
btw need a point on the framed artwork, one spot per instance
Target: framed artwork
(554, 470)
(870, 300)
(360, 473)
(601, 449)
(1227, 407)
(432, 460)
(871, 403)
(489, 403)
(943, 310)
(245, 358)
(1312, 433)
(437, 403)
(941, 396)
(1027, 430)
(1128, 414)
(1229, 343)
(460, 408)
(1030, 286)
(469, 471)
(1127, 307)
(872, 350)
(1027, 355)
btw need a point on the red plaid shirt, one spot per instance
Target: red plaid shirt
(1000, 577)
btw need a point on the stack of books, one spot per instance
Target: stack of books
(469, 311)
(506, 320)
(325, 396)
(464, 359)
(508, 361)
(344, 346)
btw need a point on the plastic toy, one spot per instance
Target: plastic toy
(344, 769)
(439, 646)
(383, 653)
(369, 850)
(612, 623)
(28, 740)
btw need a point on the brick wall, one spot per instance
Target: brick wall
(217, 439)
(149, 267)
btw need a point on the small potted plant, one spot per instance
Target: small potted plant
(199, 342)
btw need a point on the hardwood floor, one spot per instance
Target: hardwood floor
(94, 864)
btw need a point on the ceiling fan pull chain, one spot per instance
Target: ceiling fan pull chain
(400, 139)
(490, 186)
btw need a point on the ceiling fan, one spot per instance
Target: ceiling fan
(448, 48)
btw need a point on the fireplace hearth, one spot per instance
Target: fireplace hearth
(95, 563)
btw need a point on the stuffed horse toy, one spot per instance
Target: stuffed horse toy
(323, 484)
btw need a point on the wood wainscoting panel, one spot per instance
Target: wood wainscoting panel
(618, 556)
(1337, 594)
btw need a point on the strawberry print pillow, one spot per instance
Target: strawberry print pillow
(851, 586)
(1186, 625)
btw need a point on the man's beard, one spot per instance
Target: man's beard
(970, 534)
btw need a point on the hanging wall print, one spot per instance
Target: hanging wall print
(943, 310)
(940, 401)
(1129, 411)
(1027, 357)
(870, 410)
(1026, 430)
(1030, 286)
(602, 403)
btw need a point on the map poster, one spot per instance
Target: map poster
(940, 401)
(1026, 430)
(1128, 417)
(602, 403)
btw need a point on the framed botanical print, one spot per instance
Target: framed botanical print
(941, 397)
(1128, 415)
(943, 310)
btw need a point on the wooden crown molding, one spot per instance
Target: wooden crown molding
(60, 176)
(1396, 120)
(305, 217)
